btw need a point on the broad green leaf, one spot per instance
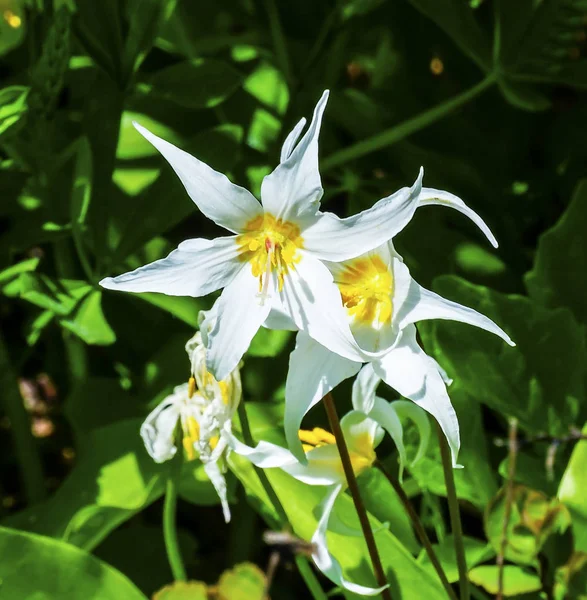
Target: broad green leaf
(184, 308)
(541, 381)
(12, 104)
(457, 19)
(88, 321)
(196, 83)
(572, 493)
(557, 278)
(195, 487)
(268, 86)
(38, 567)
(183, 590)
(515, 580)
(476, 551)
(268, 342)
(10, 273)
(524, 96)
(244, 582)
(131, 144)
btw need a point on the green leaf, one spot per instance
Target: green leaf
(515, 580)
(38, 567)
(541, 381)
(268, 342)
(195, 83)
(476, 551)
(457, 19)
(11, 273)
(12, 105)
(184, 308)
(244, 582)
(131, 144)
(183, 590)
(558, 275)
(195, 487)
(89, 323)
(60, 296)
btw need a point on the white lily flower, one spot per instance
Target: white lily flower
(324, 467)
(204, 407)
(275, 259)
(383, 302)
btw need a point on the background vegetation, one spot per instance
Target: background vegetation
(486, 95)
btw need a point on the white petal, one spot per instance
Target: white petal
(219, 482)
(361, 433)
(431, 196)
(278, 317)
(291, 139)
(384, 413)
(364, 388)
(335, 239)
(404, 409)
(415, 303)
(294, 189)
(324, 467)
(240, 314)
(227, 204)
(313, 372)
(313, 302)
(325, 562)
(410, 371)
(159, 427)
(197, 268)
(265, 454)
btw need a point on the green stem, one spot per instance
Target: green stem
(356, 494)
(399, 132)
(31, 469)
(306, 572)
(455, 516)
(170, 531)
(419, 528)
(279, 42)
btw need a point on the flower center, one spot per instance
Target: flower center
(191, 435)
(366, 287)
(270, 245)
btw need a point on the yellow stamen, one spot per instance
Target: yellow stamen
(316, 437)
(366, 287)
(191, 434)
(270, 245)
(214, 441)
(191, 387)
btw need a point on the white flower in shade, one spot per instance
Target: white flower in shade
(203, 407)
(324, 467)
(382, 303)
(275, 258)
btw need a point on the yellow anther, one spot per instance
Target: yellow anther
(316, 437)
(12, 19)
(191, 434)
(214, 441)
(191, 387)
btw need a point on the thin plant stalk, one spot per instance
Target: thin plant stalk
(509, 500)
(355, 493)
(406, 128)
(279, 40)
(419, 528)
(304, 568)
(455, 515)
(170, 531)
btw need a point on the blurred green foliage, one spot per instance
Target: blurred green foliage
(489, 96)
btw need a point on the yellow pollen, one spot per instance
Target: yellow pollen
(270, 245)
(191, 387)
(12, 19)
(316, 437)
(191, 434)
(366, 287)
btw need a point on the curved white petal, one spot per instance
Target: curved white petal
(227, 204)
(313, 372)
(291, 139)
(313, 302)
(384, 413)
(364, 388)
(335, 239)
(219, 482)
(324, 467)
(265, 454)
(409, 370)
(404, 409)
(240, 313)
(197, 268)
(361, 432)
(415, 303)
(294, 189)
(325, 562)
(278, 317)
(159, 427)
(430, 196)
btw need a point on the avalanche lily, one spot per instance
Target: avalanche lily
(275, 258)
(324, 467)
(204, 407)
(382, 303)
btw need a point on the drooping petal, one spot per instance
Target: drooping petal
(265, 454)
(334, 239)
(404, 409)
(293, 190)
(410, 371)
(227, 204)
(364, 388)
(291, 139)
(218, 480)
(431, 196)
(415, 303)
(198, 267)
(325, 562)
(313, 372)
(240, 314)
(384, 413)
(313, 302)
(361, 432)
(324, 467)
(158, 429)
